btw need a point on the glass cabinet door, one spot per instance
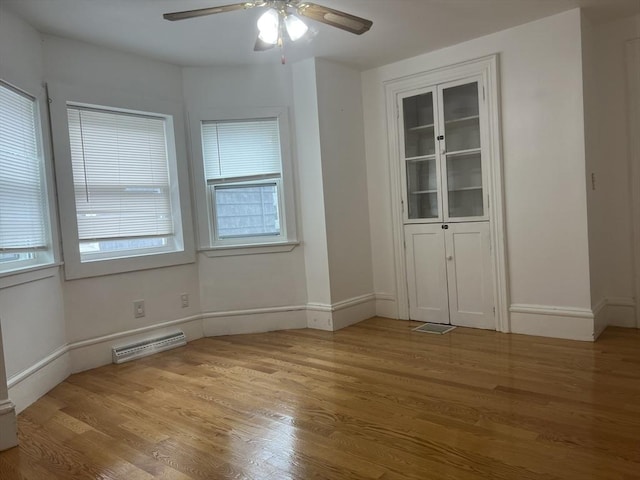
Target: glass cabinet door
(462, 151)
(421, 168)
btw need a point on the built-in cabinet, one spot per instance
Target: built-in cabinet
(449, 273)
(443, 153)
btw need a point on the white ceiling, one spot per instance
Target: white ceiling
(401, 28)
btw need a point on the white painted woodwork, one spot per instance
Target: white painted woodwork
(449, 274)
(396, 89)
(8, 428)
(448, 265)
(426, 273)
(633, 63)
(469, 277)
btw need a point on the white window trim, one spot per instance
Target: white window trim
(61, 95)
(207, 242)
(50, 257)
(28, 275)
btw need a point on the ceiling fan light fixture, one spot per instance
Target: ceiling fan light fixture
(296, 28)
(269, 26)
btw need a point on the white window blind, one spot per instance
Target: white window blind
(120, 174)
(235, 149)
(22, 191)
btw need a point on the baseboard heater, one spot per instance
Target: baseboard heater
(144, 348)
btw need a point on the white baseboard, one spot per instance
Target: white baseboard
(341, 314)
(96, 352)
(615, 312)
(8, 425)
(253, 321)
(319, 317)
(352, 311)
(32, 383)
(600, 320)
(621, 312)
(386, 305)
(29, 385)
(551, 321)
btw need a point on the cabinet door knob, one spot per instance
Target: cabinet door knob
(450, 257)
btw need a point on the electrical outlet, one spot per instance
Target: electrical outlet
(138, 309)
(185, 300)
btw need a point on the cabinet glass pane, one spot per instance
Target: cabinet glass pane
(464, 183)
(419, 137)
(422, 189)
(461, 117)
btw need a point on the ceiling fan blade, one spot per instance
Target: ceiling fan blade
(335, 18)
(210, 11)
(262, 46)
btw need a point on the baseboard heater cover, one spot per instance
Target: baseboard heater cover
(144, 348)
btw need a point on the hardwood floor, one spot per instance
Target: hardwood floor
(373, 401)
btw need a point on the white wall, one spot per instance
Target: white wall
(104, 305)
(246, 281)
(309, 156)
(32, 313)
(610, 227)
(333, 193)
(344, 179)
(597, 261)
(543, 155)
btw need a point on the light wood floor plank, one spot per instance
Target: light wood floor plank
(372, 401)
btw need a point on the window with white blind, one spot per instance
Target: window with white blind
(24, 224)
(243, 180)
(122, 183)
(243, 173)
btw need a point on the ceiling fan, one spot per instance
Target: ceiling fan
(281, 18)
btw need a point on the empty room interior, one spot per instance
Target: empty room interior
(348, 239)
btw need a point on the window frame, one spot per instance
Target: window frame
(62, 97)
(208, 242)
(45, 258)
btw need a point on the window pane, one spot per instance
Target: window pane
(247, 210)
(121, 178)
(22, 192)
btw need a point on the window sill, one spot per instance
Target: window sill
(28, 275)
(249, 249)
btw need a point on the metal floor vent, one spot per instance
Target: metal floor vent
(148, 347)
(434, 328)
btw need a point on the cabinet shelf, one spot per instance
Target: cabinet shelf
(465, 189)
(470, 151)
(420, 128)
(421, 158)
(420, 192)
(462, 119)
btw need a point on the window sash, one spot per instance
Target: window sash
(23, 202)
(247, 215)
(120, 174)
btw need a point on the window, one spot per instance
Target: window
(243, 171)
(243, 180)
(122, 183)
(25, 240)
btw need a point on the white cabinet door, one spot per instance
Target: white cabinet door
(426, 273)
(468, 254)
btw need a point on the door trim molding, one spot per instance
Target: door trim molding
(487, 67)
(633, 72)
